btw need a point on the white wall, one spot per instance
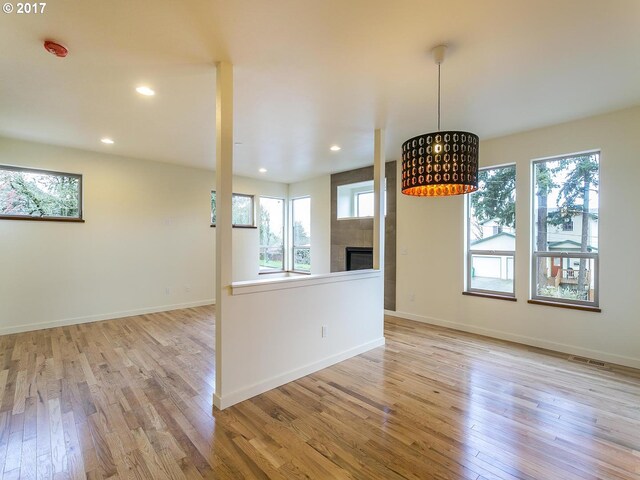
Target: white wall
(147, 228)
(433, 270)
(246, 241)
(319, 189)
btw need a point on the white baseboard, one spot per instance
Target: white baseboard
(238, 396)
(531, 341)
(103, 316)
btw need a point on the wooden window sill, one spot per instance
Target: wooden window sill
(491, 295)
(42, 219)
(586, 308)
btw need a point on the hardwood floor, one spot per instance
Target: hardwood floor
(131, 398)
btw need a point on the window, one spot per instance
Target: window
(356, 200)
(271, 226)
(565, 260)
(364, 204)
(241, 210)
(491, 232)
(301, 222)
(26, 193)
(567, 225)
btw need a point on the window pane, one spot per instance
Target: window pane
(301, 221)
(566, 278)
(356, 200)
(492, 209)
(213, 208)
(365, 204)
(302, 259)
(492, 273)
(242, 210)
(32, 193)
(566, 204)
(565, 219)
(492, 231)
(271, 234)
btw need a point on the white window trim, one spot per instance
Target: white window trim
(595, 304)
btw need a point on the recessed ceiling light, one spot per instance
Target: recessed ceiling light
(108, 141)
(335, 148)
(263, 170)
(146, 91)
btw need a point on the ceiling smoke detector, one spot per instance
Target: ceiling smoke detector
(55, 49)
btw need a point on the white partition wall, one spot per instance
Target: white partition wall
(272, 331)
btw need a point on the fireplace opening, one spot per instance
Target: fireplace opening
(359, 258)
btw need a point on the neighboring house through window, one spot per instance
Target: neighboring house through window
(491, 231)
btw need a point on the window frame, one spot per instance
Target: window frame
(253, 211)
(293, 241)
(78, 219)
(556, 301)
(470, 253)
(284, 233)
(366, 186)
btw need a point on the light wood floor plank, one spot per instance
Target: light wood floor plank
(132, 398)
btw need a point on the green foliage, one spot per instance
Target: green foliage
(241, 209)
(39, 194)
(581, 177)
(302, 259)
(495, 198)
(300, 235)
(562, 292)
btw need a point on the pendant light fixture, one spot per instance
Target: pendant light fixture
(440, 163)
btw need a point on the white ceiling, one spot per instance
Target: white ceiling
(309, 74)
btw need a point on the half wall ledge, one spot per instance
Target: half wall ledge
(271, 284)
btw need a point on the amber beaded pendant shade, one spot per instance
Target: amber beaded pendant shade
(440, 164)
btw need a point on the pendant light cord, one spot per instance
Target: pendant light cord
(438, 96)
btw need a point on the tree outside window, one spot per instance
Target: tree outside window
(39, 194)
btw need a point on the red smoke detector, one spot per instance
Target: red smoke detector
(55, 48)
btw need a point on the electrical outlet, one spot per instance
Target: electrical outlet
(167, 290)
(325, 332)
(404, 251)
(412, 297)
(187, 288)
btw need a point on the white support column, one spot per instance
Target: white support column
(224, 185)
(378, 195)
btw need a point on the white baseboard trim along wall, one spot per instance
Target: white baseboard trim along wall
(521, 339)
(274, 382)
(104, 316)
